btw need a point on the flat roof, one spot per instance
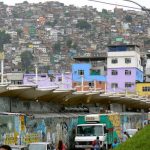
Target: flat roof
(85, 58)
(130, 45)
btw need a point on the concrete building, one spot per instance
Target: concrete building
(124, 68)
(89, 73)
(147, 70)
(143, 89)
(49, 81)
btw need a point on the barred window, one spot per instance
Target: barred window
(127, 72)
(114, 61)
(114, 85)
(114, 72)
(80, 72)
(127, 60)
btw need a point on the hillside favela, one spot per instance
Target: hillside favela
(74, 77)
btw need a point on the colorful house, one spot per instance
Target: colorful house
(50, 80)
(143, 89)
(89, 74)
(124, 68)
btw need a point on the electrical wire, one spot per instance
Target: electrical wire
(114, 4)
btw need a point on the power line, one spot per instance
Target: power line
(115, 4)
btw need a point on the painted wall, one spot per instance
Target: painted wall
(135, 59)
(87, 77)
(140, 89)
(85, 87)
(90, 81)
(121, 78)
(20, 129)
(49, 81)
(139, 75)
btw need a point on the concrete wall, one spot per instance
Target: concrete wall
(15, 105)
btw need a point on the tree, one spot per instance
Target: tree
(26, 59)
(69, 43)
(57, 47)
(19, 32)
(128, 18)
(75, 45)
(83, 24)
(52, 24)
(104, 11)
(4, 39)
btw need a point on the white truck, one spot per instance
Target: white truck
(92, 126)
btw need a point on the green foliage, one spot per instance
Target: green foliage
(52, 24)
(25, 2)
(29, 14)
(57, 47)
(15, 14)
(83, 24)
(69, 43)
(128, 18)
(104, 11)
(4, 39)
(26, 59)
(146, 41)
(140, 141)
(19, 32)
(75, 45)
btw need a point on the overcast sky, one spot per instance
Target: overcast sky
(80, 3)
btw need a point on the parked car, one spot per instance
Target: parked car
(18, 147)
(40, 146)
(131, 132)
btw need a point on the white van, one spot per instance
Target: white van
(40, 146)
(18, 147)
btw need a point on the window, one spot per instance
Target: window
(139, 62)
(43, 76)
(96, 130)
(19, 82)
(114, 61)
(128, 84)
(114, 85)
(127, 60)
(146, 89)
(80, 72)
(127, 72)
(114, 72)
(59, 79)
(91, 84)
(95, 72)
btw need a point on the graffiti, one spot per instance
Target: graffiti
(71, 132)
(115, 119)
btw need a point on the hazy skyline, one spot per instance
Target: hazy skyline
(80, 3)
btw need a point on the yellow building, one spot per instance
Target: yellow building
(143, 89)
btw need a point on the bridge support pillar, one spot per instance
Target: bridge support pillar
(117, 107)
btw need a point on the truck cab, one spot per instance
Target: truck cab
(87, 133)
(88, 129)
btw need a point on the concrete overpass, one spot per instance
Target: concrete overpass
(71, 97)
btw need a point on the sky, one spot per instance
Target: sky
(79, 3)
